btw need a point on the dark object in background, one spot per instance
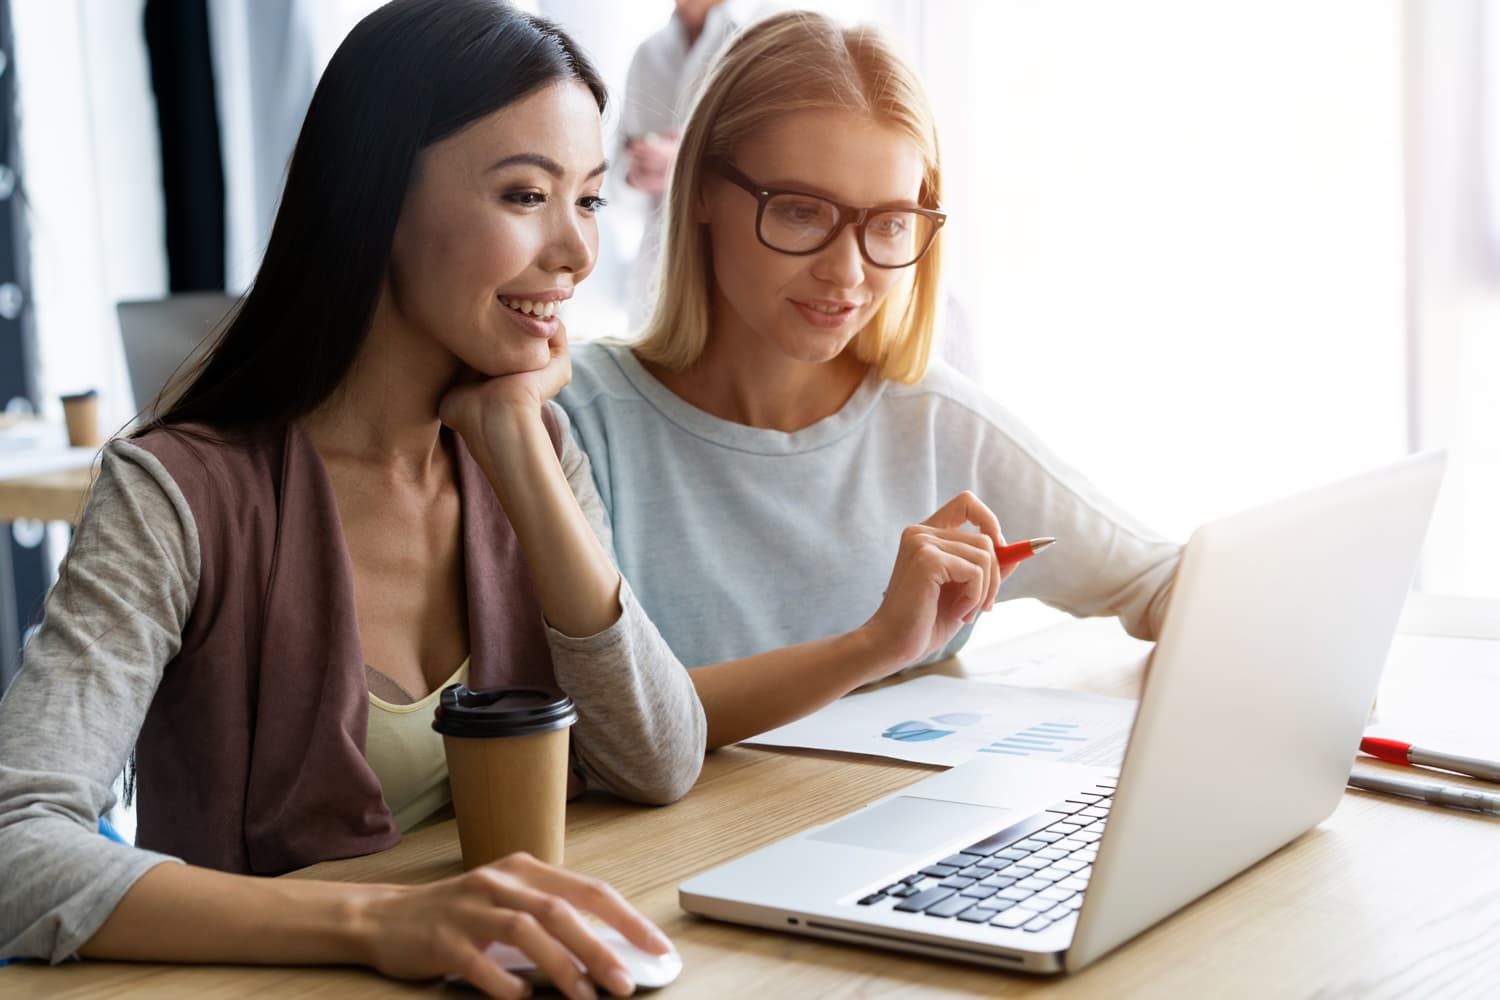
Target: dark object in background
(192, 171)
(23, 570)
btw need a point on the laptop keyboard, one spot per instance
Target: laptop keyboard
(1028, 876)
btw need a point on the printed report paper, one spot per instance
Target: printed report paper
(947, 720)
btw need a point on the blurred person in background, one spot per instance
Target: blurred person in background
(663, 80)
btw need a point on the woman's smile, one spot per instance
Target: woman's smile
(537, 315)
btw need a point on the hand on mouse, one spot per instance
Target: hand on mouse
(646, 968)
(418, 932)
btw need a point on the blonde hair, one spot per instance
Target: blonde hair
(790, 62)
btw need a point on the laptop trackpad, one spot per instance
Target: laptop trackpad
(908, 824)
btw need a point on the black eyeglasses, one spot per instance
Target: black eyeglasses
(798, 223)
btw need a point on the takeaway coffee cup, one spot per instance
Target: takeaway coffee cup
(81, 414)
(507, 752)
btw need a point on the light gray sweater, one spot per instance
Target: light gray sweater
(71, 717)
(740, 540)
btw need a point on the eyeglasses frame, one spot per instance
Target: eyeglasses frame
(848, 215)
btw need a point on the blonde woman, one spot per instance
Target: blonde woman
(779, 434)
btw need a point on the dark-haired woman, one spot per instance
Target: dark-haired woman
(362, 496)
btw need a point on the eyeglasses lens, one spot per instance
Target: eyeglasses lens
(798, 223)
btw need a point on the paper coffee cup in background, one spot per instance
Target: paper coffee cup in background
(507, 751)
(81, 412)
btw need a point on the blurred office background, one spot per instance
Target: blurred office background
(1213, 253)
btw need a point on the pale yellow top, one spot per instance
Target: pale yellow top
(407, 755)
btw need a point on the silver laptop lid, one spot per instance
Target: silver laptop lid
(1278, 700)
(159, 334)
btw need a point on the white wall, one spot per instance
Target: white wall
(1177, 227)
(92, 172)
(1453, 197)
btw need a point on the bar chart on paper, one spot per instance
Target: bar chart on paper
(947, 720)
(1042, 738)
(1073, 742)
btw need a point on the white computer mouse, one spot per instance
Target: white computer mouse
(647, 970)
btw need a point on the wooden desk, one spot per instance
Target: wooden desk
(1387, 898)
(46, 496)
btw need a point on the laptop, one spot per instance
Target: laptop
(160, 334)
(1257, 691)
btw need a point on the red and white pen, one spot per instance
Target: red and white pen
(1404, 753)
(1016, 551)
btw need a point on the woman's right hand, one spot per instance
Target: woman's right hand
(945, 575)
(443, 929)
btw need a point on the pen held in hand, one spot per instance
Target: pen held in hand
(1404, 753)
(1452, 796)
(1016, 551)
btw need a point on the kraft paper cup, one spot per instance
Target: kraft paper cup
(507, 751)
(81, 413)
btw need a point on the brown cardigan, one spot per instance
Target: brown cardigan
(251, 758)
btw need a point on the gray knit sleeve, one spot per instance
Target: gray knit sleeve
(69, 721)
(641, 729)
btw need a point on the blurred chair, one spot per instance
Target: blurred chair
(159, 335)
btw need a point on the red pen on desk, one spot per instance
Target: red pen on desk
(1404, 753)
(1017, 551)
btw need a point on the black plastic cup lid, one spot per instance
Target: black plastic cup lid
(492, 712)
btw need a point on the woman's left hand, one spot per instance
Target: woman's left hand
(469, 406)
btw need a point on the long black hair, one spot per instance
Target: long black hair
(408, 75)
